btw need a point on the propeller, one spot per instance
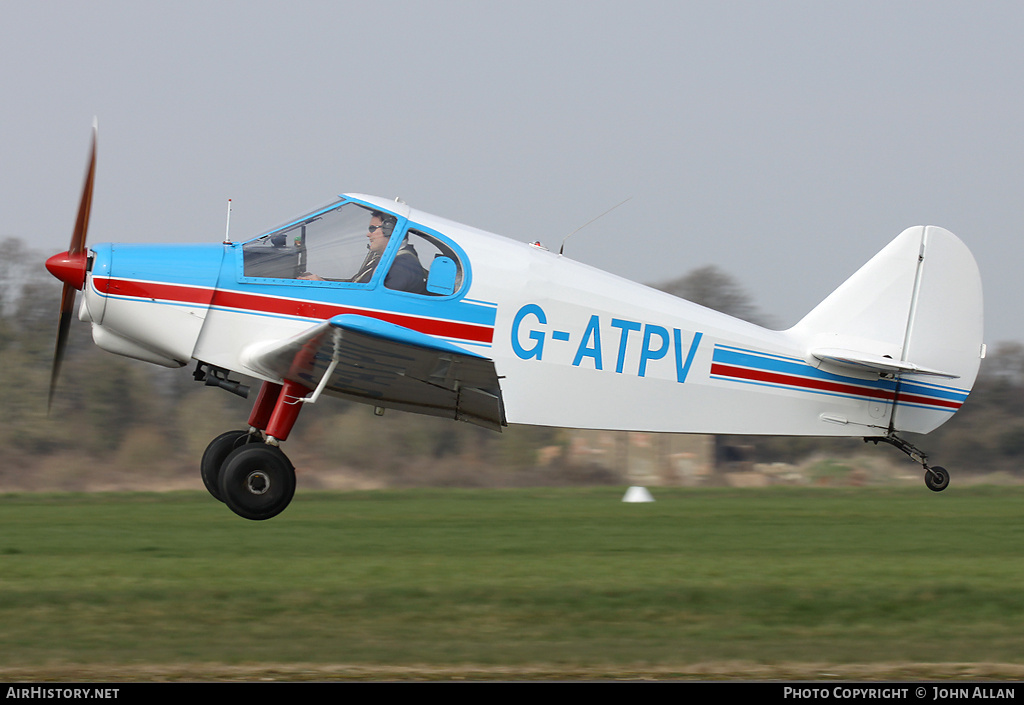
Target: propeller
(70, 267)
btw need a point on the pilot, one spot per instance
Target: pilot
(405, 274)
(378, 234)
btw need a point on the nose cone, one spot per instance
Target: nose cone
(69, 268)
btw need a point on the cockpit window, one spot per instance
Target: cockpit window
(341, 244)
(434, 262)
(345, 243)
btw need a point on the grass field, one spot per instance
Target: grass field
(557, 583)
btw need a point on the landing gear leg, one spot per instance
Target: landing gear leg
(935, 478)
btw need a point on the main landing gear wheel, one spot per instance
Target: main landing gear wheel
(936, 478)
(257, 481)
(215, 454)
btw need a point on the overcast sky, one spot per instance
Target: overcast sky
(785, 142)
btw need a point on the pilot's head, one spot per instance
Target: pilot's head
(381, 227)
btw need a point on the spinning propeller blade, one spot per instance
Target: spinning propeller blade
(69, 267)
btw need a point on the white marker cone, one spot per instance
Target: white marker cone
(637, 494)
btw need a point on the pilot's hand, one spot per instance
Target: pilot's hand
(309, 276)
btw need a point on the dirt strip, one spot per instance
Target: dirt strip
(715, 671)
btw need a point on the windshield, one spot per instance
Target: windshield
(336, 244)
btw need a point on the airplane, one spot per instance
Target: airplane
(370, 300)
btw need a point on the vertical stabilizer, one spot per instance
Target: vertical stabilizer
(913, 313)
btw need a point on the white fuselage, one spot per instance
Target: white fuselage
(573, 346)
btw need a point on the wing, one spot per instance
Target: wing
(379, 363)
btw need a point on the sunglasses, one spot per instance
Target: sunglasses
(375, 228)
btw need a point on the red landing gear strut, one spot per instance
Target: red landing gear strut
(276, 409)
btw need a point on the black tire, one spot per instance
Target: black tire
(257, 481)
(936, 478)
(214, 455)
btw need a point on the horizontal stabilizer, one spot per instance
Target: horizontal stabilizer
(876, 363)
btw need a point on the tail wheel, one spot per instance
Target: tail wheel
(215, 455)
(257, 481)
(936, 478)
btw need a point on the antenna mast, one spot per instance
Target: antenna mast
(227, 228)
(562, 248)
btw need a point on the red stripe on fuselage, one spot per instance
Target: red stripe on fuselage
(260, 303)
(827, 386)
(153, 290)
